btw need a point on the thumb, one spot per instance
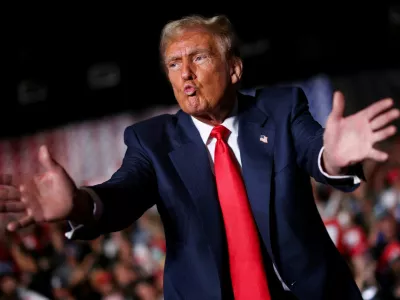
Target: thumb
(45, 158)
(338, 106)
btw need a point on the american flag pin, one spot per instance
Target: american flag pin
(264, 139)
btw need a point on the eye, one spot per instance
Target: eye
(173, 65)
(200, 58)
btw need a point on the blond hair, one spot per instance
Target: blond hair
(219, 26)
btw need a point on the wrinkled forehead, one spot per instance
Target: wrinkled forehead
(191, 41)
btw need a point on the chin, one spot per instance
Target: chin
(194, 106)
(195, 112)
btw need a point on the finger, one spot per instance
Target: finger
(45, 159)
(383, 134)
(384, 119)
(378, 107)
(25, 221)
(378, 155)
(12, 206)
(338, 106)
(9, 193)
(31, 204)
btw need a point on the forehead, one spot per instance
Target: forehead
(190, 41)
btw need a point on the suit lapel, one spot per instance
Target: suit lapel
(191, 159)
(257, 162)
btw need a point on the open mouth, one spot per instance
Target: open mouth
(190, 90)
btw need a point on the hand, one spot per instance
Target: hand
(45, 197)
(350, 140)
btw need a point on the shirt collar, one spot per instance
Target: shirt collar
(231, 123)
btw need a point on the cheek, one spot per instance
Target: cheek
(217, 84)
(213, 79)
(174, 84)
(172, 78)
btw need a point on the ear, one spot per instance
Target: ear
(236, 69)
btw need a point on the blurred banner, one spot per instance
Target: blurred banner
(360, 90)
(366, 87)
(90, 151)
(319, 92)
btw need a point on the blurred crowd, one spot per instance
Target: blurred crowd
(364, 225)
(41, 263)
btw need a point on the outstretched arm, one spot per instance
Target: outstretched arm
(126, 196)
(312, 141)
(53, 196)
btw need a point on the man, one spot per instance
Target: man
(230, 177)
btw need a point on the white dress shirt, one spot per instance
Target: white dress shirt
(231, 123)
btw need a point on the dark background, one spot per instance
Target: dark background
(56, 50)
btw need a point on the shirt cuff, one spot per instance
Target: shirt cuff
(356, 179)
(97, 212)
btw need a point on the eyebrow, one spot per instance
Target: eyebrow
(192, 52)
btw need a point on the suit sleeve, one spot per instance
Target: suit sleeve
(308, 140)
(130, 191)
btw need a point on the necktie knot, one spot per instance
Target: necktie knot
(220, 132)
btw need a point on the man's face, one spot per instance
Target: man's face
(201, 76)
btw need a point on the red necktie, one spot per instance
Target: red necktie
(248, 276)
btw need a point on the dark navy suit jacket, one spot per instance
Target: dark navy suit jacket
(167, 164)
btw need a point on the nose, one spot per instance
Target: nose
(187, 71)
